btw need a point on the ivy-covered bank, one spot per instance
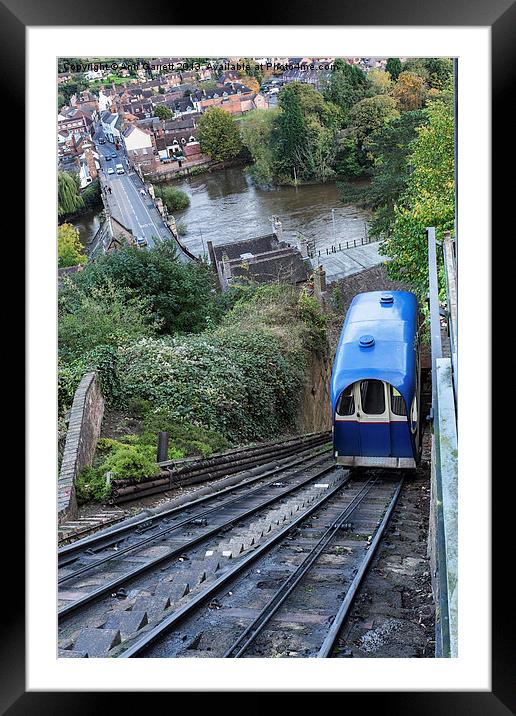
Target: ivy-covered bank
(238, 380)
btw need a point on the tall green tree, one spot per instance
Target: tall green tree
(347, 86)
(393, 67)
(429, 199)
(291, 130)
(219, 135)
(68, 199)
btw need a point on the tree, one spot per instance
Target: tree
(393, 67)
(380, 81)
(61, 101)
(252, 83)
(429, 199)
(69, 247)
(219, 135)
(316, 157)
(68, 199)
(256, 129)
(409, 91)
(390, 147)
(179, 295)
(173, 198)
(440, 71)
(347, 86)
(290, 136)
(370, 115)
(365, 118)
(417, 66)
(163, 112)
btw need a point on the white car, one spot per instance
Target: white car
(142, 192)
(110, 170)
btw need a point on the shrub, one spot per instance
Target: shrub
(174, 199)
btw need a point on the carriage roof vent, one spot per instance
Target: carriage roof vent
(366, 341)
(386, 299)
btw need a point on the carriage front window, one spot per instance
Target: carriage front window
(372, 397)
(397, 402)
(346, 404)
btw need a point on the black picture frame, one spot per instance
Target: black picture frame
(500, 15)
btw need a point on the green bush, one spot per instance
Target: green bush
(91, 485)
(174, 199)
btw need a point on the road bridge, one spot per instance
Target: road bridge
(127, 199)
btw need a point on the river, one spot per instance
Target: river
(88, 225)
(226, 206)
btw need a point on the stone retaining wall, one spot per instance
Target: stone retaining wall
(81, 441)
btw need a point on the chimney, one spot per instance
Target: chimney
(90, 162)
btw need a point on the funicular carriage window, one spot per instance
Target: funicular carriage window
(372, 397)
(397, 402)
(346, 404)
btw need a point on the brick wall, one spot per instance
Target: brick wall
(81, 440)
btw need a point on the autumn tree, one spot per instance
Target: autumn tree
(219, 135)
(380, 81)
(409, 91)
(429, 199)
(69, 247)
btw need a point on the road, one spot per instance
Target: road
(127, 203)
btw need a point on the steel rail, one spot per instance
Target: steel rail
(158, 535)
(219, 470)
(288, 586)
(341, 616)
(177, 616)
(118, 581)
(258, 449)
(100, 537)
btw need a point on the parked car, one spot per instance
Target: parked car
(110, 170)
(108, 157)
(142, 192)
(114, 155)
(101, 140)
(141, 241)
(120, 169)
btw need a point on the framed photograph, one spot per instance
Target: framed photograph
(258, 266)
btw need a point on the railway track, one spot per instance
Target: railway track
(102, 573)
(292, 595)
(125, 592)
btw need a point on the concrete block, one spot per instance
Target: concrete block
(97, 642)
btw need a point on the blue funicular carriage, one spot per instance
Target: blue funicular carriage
(376, 383)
